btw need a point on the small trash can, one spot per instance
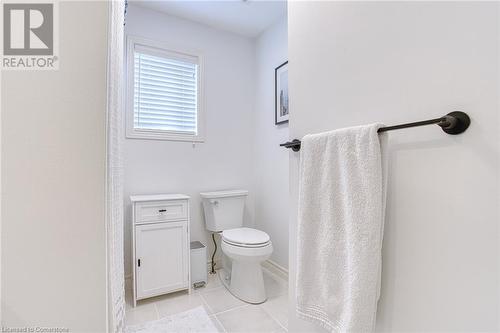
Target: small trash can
(199, 269)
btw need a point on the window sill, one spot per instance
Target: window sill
(164, 137)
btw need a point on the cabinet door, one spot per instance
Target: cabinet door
(161, 258)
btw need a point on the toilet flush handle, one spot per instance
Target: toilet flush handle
(214, 202)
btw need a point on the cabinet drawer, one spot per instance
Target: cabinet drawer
(160, 211)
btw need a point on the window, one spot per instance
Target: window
(164, 93)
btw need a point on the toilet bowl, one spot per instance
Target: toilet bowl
(246, 248)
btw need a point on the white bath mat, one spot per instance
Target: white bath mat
(195, 320)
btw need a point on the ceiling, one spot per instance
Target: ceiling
(248, 18)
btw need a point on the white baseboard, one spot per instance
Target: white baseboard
(270, 265)
(276, 269)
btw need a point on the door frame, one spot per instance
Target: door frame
(115, 278)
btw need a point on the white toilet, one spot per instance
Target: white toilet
(245, 247)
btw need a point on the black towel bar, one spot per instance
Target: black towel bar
(455, 122)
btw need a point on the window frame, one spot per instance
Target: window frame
(161, 49)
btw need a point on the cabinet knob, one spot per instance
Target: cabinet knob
(162, 210)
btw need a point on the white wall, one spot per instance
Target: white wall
(271, 160)
(225, 160)
(53, 181)
(395, 62)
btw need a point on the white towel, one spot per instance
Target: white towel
(340, 227)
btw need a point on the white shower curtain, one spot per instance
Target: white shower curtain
(114, 190)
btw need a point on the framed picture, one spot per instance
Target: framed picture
(281, 110)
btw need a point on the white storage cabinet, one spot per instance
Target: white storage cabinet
(160, 244)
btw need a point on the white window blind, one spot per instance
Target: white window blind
(165, 92)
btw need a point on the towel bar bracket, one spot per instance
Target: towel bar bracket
(458, 122)
(294, 144)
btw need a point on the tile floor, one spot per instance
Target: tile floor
(228, 313)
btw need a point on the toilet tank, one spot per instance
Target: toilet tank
(223, 209)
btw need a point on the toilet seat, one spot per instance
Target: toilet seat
(246, 237)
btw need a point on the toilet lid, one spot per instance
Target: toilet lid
(245, 236)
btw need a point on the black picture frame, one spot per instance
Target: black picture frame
(278, 118)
